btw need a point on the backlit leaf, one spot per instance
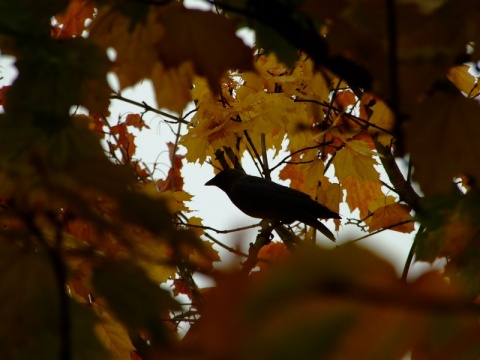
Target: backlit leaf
(389, 215)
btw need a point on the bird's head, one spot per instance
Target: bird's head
(226, 179)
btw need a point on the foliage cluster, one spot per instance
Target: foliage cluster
(88, 234)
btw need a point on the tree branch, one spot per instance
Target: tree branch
(402, 187)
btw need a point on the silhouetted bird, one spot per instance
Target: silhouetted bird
(264, 199)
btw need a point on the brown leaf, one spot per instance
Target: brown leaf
(439, 138)
(206, 40)
(429, 42)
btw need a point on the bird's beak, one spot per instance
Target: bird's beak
(210, 182)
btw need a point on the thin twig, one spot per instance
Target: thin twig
(254, 149)
(147, 107)
(266, 171)
(284, 160)
(378, 231)
(216, 230)
(411, 254)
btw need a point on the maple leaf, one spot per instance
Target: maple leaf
(463, 80)
(357, 160)
(136, 121)
(380, 115)
(112, 334)
(345, 99)
(172, 85)
(204, 256)
(174, 180)
(386, 216)
(272, 252)
(365, 195)
(124, 140)
(71, 23)
(438, 137)
(206, 40)
(134, 42)
(331, 195)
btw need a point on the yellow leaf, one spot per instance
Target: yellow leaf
(197, 221)
(389, 215)
(362, 194)
(172, 86)
(134, 43)
(176, 200)
(382, 117)
(314, 176)
(356, 160)
(204, 256)
(113, 335)
(330, 195)
(463, 80)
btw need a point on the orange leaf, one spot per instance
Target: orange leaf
(72, 22)
(125, 140)
(360, 194)
(174, 180)
(345, 99)
(389, 215)
(136, 121)
(272, 252)
(180, 287)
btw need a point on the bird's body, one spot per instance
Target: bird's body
(264, 199)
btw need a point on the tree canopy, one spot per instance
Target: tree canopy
(99, 254)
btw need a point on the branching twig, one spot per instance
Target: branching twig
(356, 119)
(284, 160)
(147, 108)
(254, 149)
(263, 238)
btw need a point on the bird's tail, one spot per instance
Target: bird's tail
(322, 228)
